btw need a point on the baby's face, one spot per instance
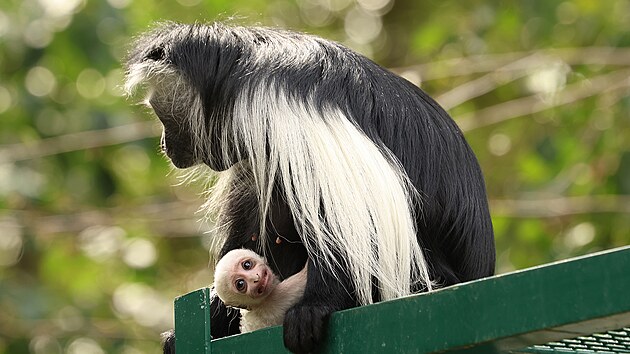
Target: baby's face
(248, 279)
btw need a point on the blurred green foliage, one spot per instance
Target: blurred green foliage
(97, 234)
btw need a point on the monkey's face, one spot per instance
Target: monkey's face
(253, 279)
(243, 279)
(177, 141)
(189, 73)
(189, 137)
(178, 107)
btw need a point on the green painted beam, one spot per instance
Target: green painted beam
(192, 322)
(507, 312)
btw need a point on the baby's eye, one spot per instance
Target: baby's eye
(240, 285)
(247, 265)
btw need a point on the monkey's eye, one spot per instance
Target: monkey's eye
(247, 265)
(156, 54)
(240, 285)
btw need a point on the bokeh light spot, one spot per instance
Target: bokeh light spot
(84, 346)
(580, 235)
(40, 81)
(374, 5)
(549, 79)
(5, 24)
(44, 344)
(361, 26)
(139, 253)
(5, 99)
(101, 242)
(60, 8)
(119, 4)
(499, 144)
(11, 243)
(90, 83)
(143, 304)
(37, 34)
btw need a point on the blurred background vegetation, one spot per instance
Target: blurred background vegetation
(97, 236)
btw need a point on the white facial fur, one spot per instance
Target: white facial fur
(243, 279)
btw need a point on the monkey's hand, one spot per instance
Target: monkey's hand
(304, 326)
(305, 322)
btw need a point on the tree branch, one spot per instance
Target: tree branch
(605, 56)
(489, 82)
(560, 206)
(177, 218)
(78, 141)
(535, 103)
(172, 219)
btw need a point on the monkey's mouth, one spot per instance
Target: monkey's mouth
(163, 143)
(176, 150)
(262, 286)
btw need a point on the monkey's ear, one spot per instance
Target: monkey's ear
(156, 54)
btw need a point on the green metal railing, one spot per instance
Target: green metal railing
(580, 305)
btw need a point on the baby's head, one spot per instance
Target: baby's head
(243, 279)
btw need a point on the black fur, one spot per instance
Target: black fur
(168, 342)
(453, 226)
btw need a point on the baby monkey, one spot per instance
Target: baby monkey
(243, 279)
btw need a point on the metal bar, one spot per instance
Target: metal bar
(192, 322)
(503, 313)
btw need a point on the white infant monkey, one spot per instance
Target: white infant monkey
(243, 279)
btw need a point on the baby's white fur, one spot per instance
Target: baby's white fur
(260, 312)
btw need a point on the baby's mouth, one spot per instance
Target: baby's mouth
(264, 279)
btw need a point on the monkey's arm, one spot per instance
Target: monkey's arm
(293, 286)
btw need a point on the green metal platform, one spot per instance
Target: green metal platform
(580, 305)
(617, 341)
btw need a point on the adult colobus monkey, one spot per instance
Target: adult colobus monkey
(326, 157)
